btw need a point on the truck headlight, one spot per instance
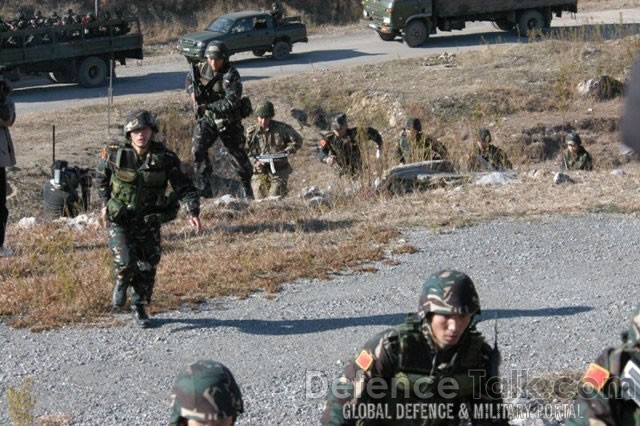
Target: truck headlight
(387, 20)
(200, 44)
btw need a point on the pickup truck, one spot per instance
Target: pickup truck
(77, 53)
(249, 31)
(415, 20)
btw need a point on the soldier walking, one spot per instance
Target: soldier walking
(132, 180)
(219, 115)
(266, 138)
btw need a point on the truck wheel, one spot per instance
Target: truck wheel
(504, 25)
(61, 77)
(280, 50)
(416, 33)
(259, 52)
(92, 72)
(387, 36)
(530, 20)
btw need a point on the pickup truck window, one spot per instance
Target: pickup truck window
(221, 25)
(263, 23)
(243, 25)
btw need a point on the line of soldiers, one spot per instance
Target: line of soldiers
(86, 25)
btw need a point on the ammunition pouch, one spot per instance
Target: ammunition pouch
(116, 211)
(245, 107)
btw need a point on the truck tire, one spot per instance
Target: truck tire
(530, 20)
(504, 25)
(416, 33)
(259, 52)
(387, 36)
(280, 50)
(93, 72)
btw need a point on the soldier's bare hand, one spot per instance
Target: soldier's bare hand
(331, 160)
(196, 224)
(103, 217)
(258, 166)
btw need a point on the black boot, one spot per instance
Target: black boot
(140, 314)
(119, 297)
(247, 192)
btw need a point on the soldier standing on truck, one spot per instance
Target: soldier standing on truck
(217, 99)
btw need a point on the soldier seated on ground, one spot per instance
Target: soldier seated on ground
(603, 397)
(438, 347)
(486, 157)
(205, 393)
(576, 157)
(414, 146)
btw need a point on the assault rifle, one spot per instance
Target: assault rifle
(270, 158)
(201, 93)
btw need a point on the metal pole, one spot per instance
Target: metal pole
(110, 95)
(96, 8)
(53, 139)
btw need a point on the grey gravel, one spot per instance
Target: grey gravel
(562, 288)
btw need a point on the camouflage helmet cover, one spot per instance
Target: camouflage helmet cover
(204, 391)
(339, 121)
(413, 123)
(573, 139)
(216, 50)
(265, 109)
(139, 119)
(448, 292)
(484, 135)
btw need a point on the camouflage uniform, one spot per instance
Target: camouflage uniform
(346, 149)
(222, 118)
(601, 399)
(205, 391)
(7, 155)
(407, 360)
(134, 192)
(578, 160)
(488, 158)
(279, 137)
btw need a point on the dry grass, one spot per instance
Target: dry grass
(62, 276)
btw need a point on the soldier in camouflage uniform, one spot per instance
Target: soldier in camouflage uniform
(601, 396)
(205, 393)
(341, 148)
(414, 146)
(270, 137)
(485, 156)
(407, 365)
(132, 180)
(219, 113)
(576, 157)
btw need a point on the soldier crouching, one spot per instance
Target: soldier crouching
(132, 180)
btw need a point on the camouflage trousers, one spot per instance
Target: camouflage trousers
(136, 255)
(266, 184)
(232, 136)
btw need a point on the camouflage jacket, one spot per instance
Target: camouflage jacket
(491, 158)
(408, 370)
(279, 137)
(420, 148)
(141, 183)
(580, 160)
(222, 91)
(601, 401)
(346, 149)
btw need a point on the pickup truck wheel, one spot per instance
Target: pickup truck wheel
(387, 36)
(416, 33)
(530, 20)
(92, 72)
(259, 52)
(280, 50)
(503, 24)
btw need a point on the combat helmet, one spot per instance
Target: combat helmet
(448, 292)
(484, 135)
(339, 121)
(265, 109)
(204, 391)
(413, 123)
(137, 120)
(573, 139)
(216, 50)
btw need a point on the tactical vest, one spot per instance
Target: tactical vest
(138, 187)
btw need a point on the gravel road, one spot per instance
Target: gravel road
(562, 289)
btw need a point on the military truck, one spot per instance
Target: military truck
(415, 20)
(75, 53)
(249, 31)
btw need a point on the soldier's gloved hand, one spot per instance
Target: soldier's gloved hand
(103, 217)
(330, 160)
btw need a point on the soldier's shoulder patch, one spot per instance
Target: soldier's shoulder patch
(596, 376)
(364, 360)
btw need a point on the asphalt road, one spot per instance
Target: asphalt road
(323, 52)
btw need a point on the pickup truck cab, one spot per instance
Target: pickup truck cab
(249, 31)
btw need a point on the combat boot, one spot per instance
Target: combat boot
(247, 192)
(119, 297)
(140, 315)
